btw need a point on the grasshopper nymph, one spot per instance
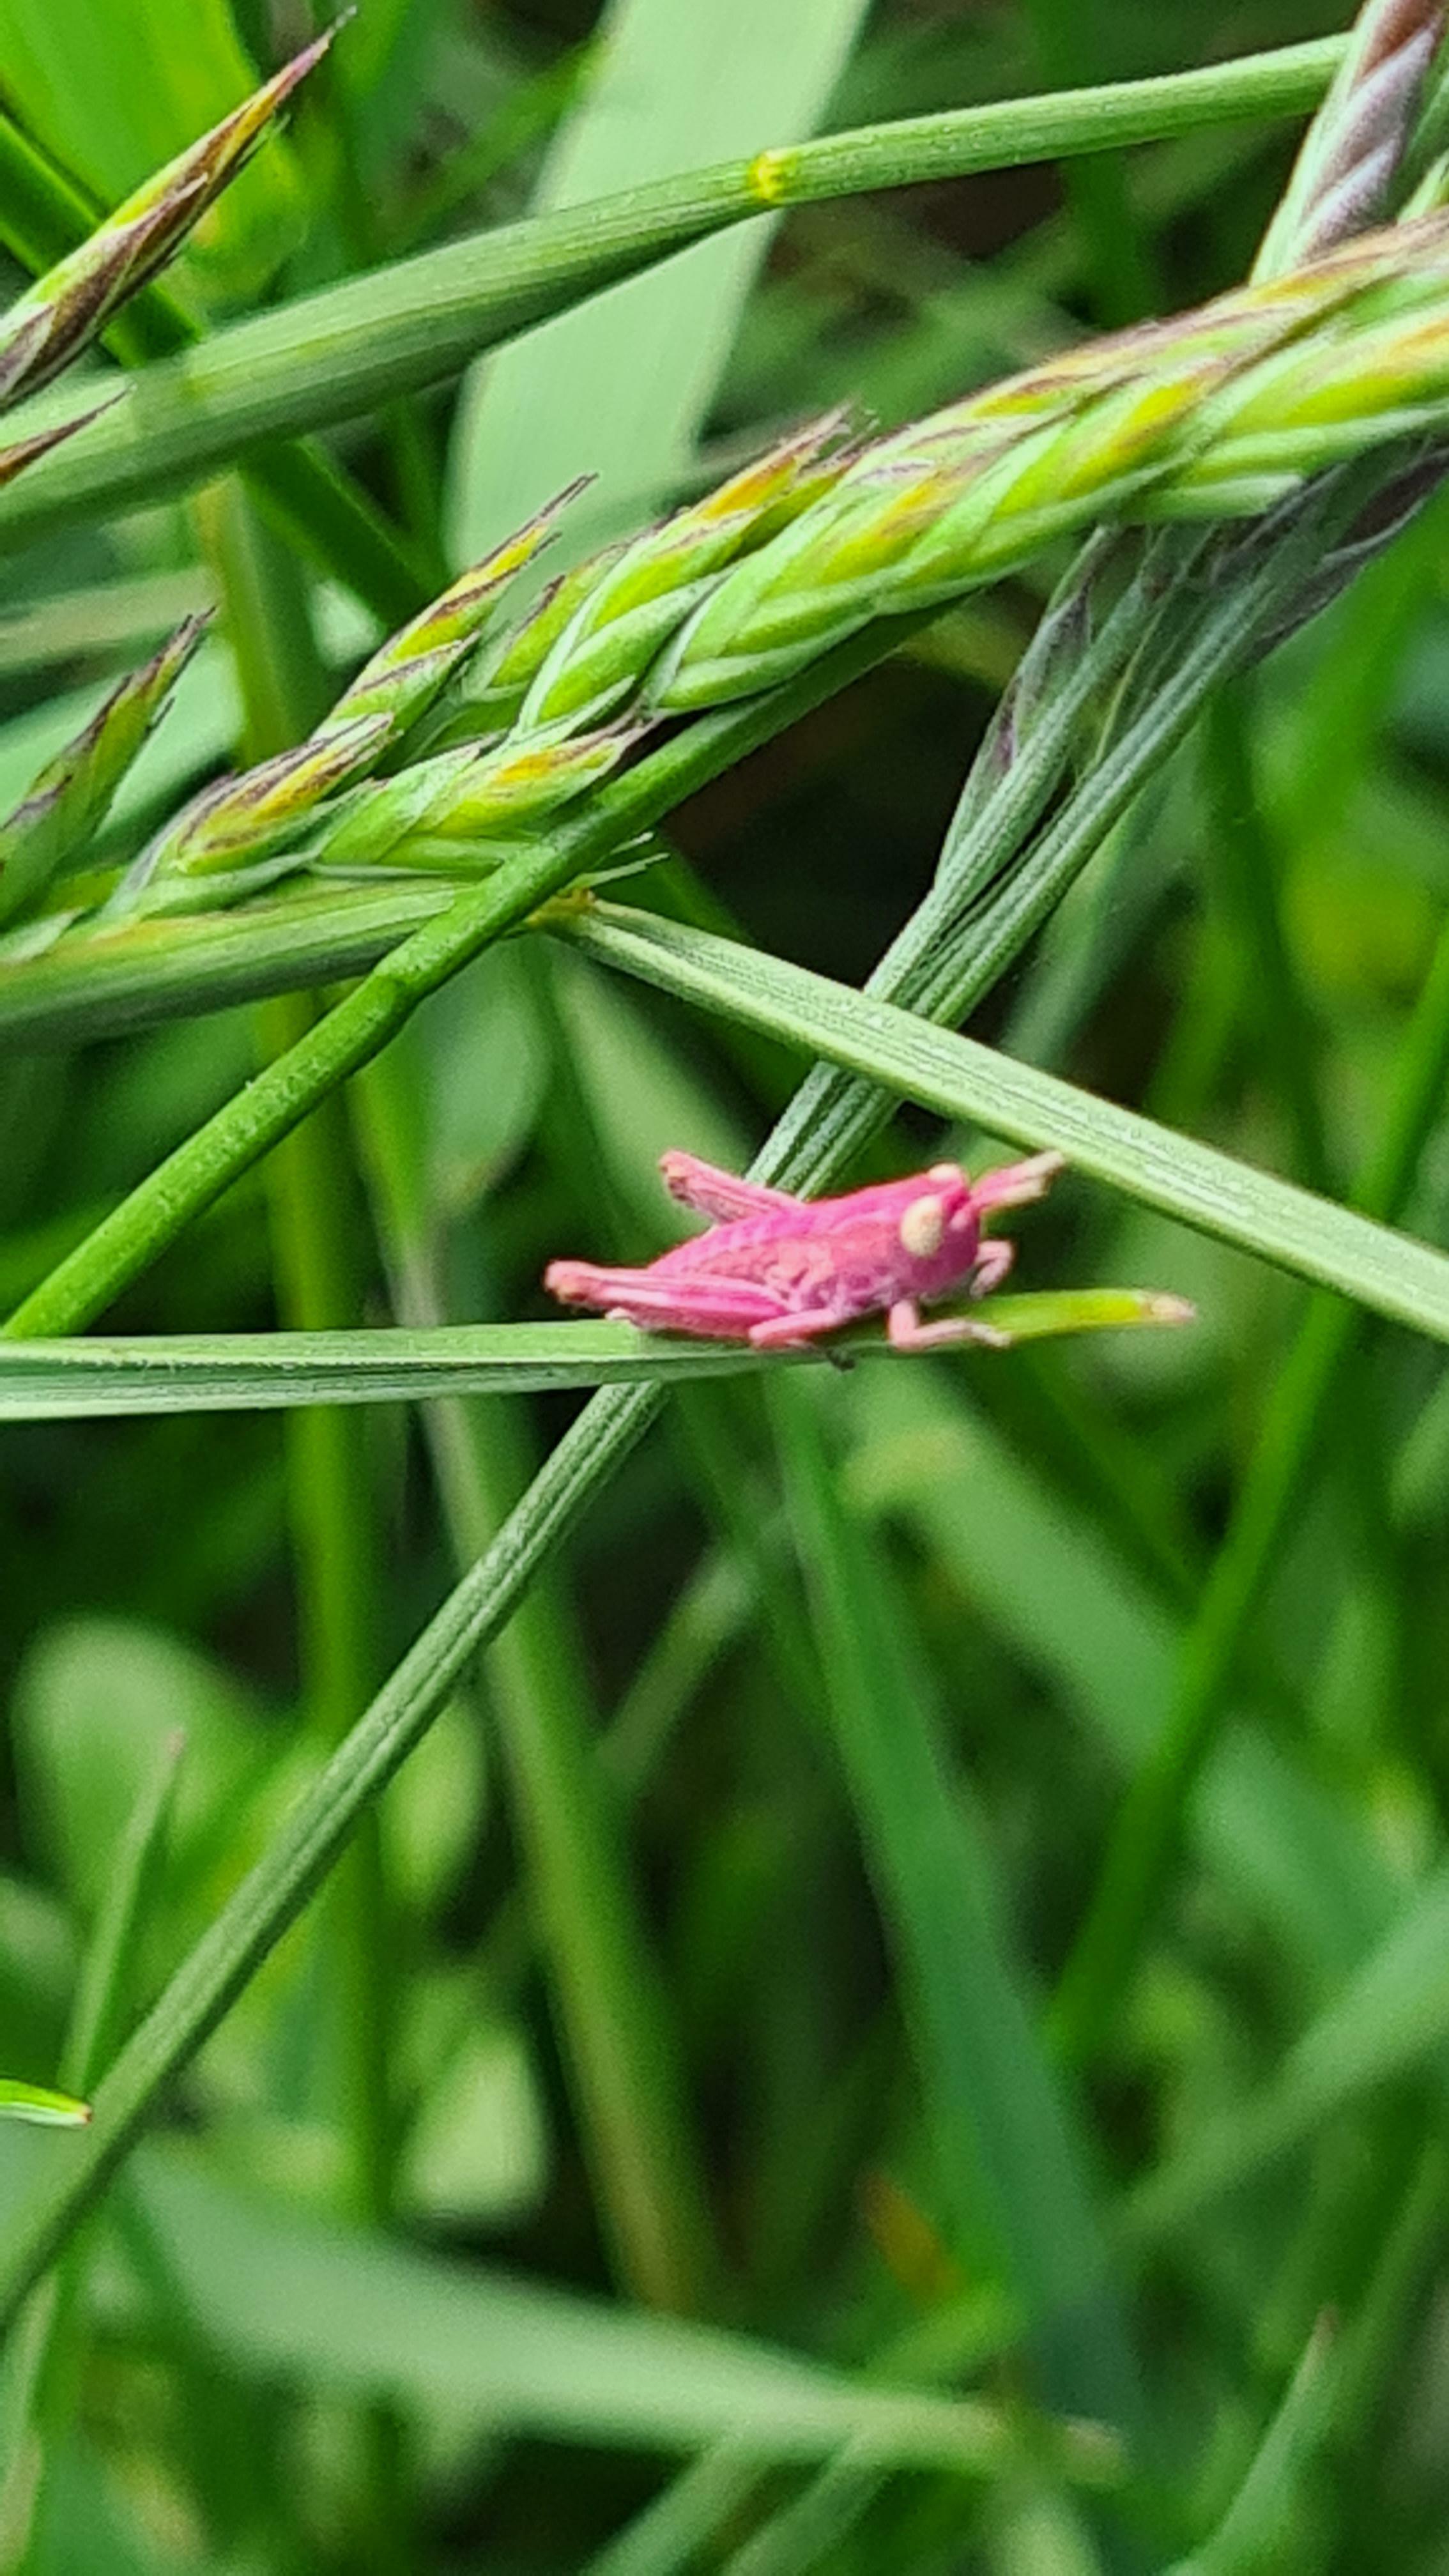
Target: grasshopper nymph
(779, 1271)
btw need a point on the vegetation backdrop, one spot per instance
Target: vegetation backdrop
(678, 1960)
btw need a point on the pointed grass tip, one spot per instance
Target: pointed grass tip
(216, 156)
(28, 451)
(277, 90)
(1158, 1308)
(42, 2109)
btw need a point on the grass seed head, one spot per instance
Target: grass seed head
(65, 309)
(68, 800)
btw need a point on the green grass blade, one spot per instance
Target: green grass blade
(328, 357)
(43, 218)
(675, 90)
(244, 1372)
(316, 1230)
(1319, 1241)
(1248, 864)
(704, 1621)
(1140, 1853)
(616, 2021)
(1256, 2531)
(1390, 2020)
(1010, 2170)
(1374, 2342)
(102, 1997)
(817, 2520)
(673, 2531)
(701, 2504)
(162, 1373)
(1089, 1631)
(316, 1252)
(46, 2110)
(286, 2298)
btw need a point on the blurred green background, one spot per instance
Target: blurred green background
(868, 1663)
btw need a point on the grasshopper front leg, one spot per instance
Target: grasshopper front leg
(1014, 1185)
(906, 1332)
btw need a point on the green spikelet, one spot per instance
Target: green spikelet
(68, 306)
(501, 677)
(241, 821)
(25, 451)
(1354, 146)
(640, 595)
(407, 673)
(70, 797)
(1223, 413)
(449, 813)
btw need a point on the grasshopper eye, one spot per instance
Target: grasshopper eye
(922, 1226)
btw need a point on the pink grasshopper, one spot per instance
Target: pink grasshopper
(780, 1271)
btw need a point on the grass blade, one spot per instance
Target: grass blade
(288, 2298)
(1144, 1839)
(47, 2110)
(1327, 1244)
(1010, 2171)
(1391, 2019)
(101, 2000)
(329, 357)
(1256, 2531)
(615, 2013)
(229, 1372)
(674, 90)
